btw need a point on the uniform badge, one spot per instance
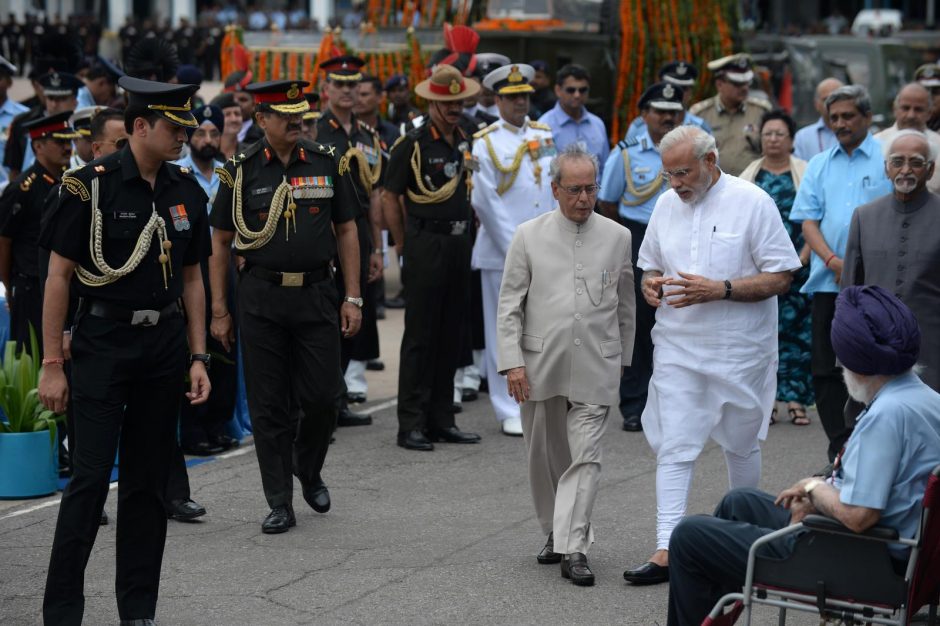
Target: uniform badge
(450, 169)
(454, 87)
(681, 69)
(668, 92)
(463, 146)
(311, 187)
(180, 217)
(99, 168)
(470, 162)
(372, 157)
(548, 148)
(515, 76)
(75, 187)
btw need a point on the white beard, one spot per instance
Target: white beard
(857, 386)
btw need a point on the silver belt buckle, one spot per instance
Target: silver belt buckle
(145, 318)
(458, 228)
(292, 279)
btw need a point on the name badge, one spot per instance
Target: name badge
(124, 215)
(261, 190)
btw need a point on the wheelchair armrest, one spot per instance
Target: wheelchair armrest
(827, 524)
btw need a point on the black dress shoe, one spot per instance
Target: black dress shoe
(380, 312)
(348, 418)
(457, 408)
(632, 423)
(453, 435)
(278, 520)
(374, 365)
(647, 574)
(469, 395)
(104, 519)
(203, 448)
(317, 496)
(184, 510)
(224, 441)
(548, 556)
(355, 397)
(414, 440)
(575, 567)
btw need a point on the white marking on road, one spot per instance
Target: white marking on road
(54, 500)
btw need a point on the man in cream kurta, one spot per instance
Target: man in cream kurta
(510, 185)
(714, 258)
(566, 323)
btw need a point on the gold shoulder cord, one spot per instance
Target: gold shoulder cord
(425, 195)
(368, 176)
(643, 192)
(513, 170)
(281, 204)
(155, 224)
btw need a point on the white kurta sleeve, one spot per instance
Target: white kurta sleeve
(651, 256)
(513, 291)
(771, 247)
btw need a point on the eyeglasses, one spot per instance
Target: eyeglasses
(779, 134)
(577, 190)
(675, 174)
(119, 144)
(916, 163)
(574, 90)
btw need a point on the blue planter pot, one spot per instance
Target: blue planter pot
(28, 465)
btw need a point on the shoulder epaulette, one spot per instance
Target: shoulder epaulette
(243, 155)
(398, 141)
(760, 102)
(367, 128)
(28, 181)
(623, 144)
(327, 149)
(539, 126)
(486, 130)
(701, 106)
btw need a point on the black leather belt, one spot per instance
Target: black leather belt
(142, 317)
(441, 227)
(291, 279)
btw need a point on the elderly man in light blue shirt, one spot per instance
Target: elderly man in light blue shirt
(8, 110)
(817, 137)
(836, 181)
(570, 120)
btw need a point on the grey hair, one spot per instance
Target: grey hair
(572, 152)
(910, 132)
(703, 144)
(856, 93)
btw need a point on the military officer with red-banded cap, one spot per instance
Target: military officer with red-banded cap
(279, 202)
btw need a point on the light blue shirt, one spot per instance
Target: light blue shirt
(84, 98)
(8, 110)
(638, 125)
(209, 185)
(834, 184)
(589, 131)
(813, 139)
(645, 165)
(893, 449)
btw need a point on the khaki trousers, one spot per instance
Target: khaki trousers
(563, 442)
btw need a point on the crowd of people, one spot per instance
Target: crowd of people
(569, 276)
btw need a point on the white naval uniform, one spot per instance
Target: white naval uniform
(499, 216)
(714, 364)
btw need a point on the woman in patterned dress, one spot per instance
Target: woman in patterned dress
(779, 173)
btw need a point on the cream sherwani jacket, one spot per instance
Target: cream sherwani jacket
(567, 307)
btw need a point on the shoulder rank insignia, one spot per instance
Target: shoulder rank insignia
(76, 187)
(184, 169)
(48, 179)
(701, 106)
(539, 126)
(225, 177)
(28, 182)
(760, 102)
(367, 128)
(330, 150)
(627, 143)
(486, 130)
(99, 169)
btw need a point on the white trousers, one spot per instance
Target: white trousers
(468, 377)
(673, 480)
(503, 404)
(356, 377)
(563, 443)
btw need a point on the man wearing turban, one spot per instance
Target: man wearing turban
(879, 478)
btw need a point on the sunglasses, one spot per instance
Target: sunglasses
(574, 90)
(119, 144)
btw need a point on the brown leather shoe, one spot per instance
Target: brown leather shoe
(574, 566)
(548, 555)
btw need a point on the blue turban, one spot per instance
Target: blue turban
(874, 333)
(209, 113)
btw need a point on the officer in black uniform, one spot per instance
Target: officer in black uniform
(279, 201)
(20, 212)
(437, 242)
(146, 221)
(364, 156)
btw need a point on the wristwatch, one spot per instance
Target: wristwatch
(727, 290)
(356, 301)
(808, 487)
(205, 359)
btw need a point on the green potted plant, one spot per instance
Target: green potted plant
(28, 431)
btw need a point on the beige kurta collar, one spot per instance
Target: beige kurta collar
(574, 227)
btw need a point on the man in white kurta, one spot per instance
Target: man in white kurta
(566, 323)
(510, 185)
(715, 256)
